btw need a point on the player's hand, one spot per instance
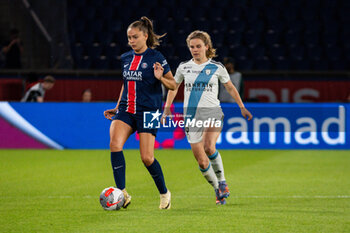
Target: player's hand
(246, 114)
(166, 113)
(158, 70)
(110, 113)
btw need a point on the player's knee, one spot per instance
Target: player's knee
(115, 146)
(147, 159)
(208, 148)
(203, 163)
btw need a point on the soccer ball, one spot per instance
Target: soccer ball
(112, 198)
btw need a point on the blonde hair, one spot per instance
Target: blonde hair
(146, 26)
(211, 52)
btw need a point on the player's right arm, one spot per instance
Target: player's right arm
(172, 94)
(112, 112)
(169, 101)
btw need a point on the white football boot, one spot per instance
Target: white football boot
(165, 200)
(127, 198)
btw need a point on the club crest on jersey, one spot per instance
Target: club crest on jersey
(207, 71)
(144, 65)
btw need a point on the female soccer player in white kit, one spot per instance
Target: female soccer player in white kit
(201, 75)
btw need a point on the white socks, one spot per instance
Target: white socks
(210, 176)
(217, 165)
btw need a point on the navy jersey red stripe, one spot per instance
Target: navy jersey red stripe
(131, 104)
(142, 91)
(131, 94)
(135, 63)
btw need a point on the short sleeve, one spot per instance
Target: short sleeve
(163, 62)
(179, 77)
(224, 77)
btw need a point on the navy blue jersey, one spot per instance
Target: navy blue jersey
(142, 91)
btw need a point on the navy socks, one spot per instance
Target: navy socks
(118, 165)
(156, 172)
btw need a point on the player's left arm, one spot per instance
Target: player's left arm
(231, 89)
(167, 79)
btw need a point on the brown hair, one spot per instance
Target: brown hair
(49, 79)
(146, 26)
(211, 52)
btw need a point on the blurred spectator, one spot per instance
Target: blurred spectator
(236, 79)
(31, 79)
(36, 93)
(13, 50)
(87, 95)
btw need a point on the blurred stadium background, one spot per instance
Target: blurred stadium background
(290, 52)
(80, 41)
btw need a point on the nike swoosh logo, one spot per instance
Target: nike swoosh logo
(112, 204)
(115, 168)
(126, 65)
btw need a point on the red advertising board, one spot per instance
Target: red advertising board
(297, 91)
(260, 88)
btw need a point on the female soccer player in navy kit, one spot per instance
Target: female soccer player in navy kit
(144, 70)
(201, 75)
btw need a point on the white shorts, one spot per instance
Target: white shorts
(204, 119)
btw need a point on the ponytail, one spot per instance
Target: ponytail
(146, 26)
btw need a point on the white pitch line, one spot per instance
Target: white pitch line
(295, 197)
(235, 197)
(201, 196)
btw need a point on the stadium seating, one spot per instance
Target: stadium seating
(100, 63)
(83, 62)
(258, 34)
(262, 63)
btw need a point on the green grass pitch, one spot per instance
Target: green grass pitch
(271, 191)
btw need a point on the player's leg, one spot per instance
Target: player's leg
(210, 136)
(206, 169)
(119, 133)
(204, 164)
(147, 155)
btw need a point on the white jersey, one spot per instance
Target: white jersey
(201, 82)
(34, 92)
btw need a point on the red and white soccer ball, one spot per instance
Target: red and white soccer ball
(112, 198)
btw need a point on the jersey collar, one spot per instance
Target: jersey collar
(141, 53)
(205, 63)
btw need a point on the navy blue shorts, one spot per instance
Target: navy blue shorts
(135, 121)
